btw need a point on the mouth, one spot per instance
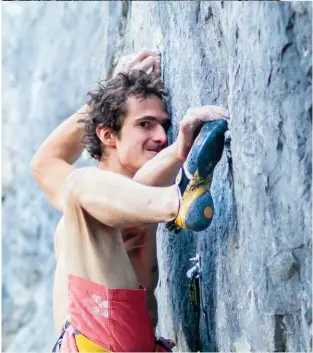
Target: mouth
(153, 151)
(156, 150)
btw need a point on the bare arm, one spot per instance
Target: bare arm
(53, 161)
(162, 169)
(116, 200)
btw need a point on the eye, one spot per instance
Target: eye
(145, 124)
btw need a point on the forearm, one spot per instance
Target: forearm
(64, 142)
(53, 161)
(162, 169)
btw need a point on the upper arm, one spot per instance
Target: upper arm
(92, 189)
(116, 200)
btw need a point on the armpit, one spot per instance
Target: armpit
(132, 241)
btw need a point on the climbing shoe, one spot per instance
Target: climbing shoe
(195, 177)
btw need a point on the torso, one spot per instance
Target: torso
(91, 240)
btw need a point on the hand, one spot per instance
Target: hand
(145, 60)
(191, 124)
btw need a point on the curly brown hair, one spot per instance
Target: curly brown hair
(108, 108)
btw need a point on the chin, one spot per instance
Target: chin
(144, 159)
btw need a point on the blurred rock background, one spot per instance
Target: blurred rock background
(253, 57)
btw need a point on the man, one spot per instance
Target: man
(105, 243)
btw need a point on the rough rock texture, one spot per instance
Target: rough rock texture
(49, 63)
(255, 58)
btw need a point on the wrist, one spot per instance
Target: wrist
(180, 154)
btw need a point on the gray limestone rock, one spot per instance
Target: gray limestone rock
(256, 258)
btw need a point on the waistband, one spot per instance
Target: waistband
(111, 294)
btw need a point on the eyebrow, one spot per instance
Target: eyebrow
(165, 122)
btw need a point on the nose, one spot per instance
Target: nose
(160, 136)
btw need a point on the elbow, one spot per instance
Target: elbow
(39, 168)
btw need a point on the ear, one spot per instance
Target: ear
(106, 136)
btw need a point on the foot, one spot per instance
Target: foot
(194, 179)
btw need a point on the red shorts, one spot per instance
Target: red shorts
(103, 319)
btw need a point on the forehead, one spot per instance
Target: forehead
(149, 106)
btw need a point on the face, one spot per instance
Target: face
(143, 134)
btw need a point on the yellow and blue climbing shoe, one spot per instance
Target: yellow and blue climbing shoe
(194, 179)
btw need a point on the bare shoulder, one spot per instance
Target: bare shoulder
(87, 178)
(73, 179)
(75, 183)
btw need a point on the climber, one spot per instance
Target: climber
(105, 242)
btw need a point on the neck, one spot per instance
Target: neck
(114, 166)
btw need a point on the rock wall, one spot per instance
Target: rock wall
(253, 57)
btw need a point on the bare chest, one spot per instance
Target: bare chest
(140, 245)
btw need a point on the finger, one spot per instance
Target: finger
(222, 112)
(215, 112)
(146, 64)
(144, 53)
(157, 67)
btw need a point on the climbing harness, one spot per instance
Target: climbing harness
(58, 344)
